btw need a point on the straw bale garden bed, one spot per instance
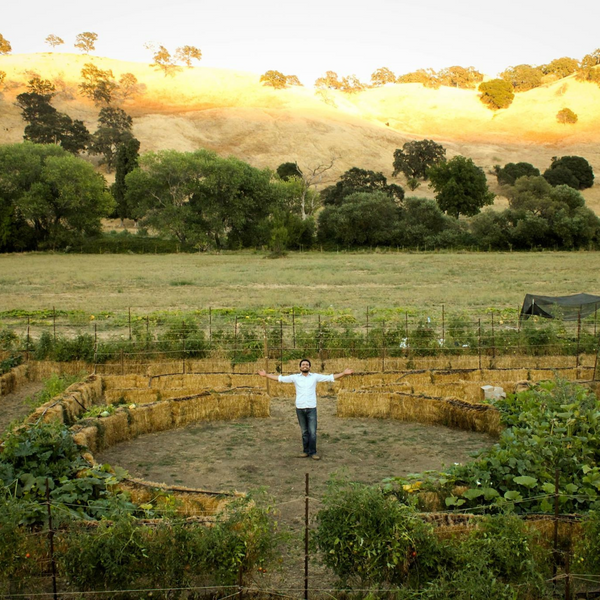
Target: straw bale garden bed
(397, 504)
(194, 439)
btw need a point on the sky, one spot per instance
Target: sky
(313, 36)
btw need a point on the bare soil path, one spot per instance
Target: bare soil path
(15, 405)
(249, 454)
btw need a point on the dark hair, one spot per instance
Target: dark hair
(305, 360)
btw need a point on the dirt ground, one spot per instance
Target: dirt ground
(15, 405)
(250, 454)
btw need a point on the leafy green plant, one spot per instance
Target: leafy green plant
(552, 427)
(368, 537)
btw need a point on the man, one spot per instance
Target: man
(306, 402)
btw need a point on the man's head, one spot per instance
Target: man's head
(304, 365)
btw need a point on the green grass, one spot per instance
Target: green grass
(318, 281)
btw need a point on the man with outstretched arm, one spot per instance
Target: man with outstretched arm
(306, 402)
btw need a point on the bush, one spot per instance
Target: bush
(126, 553)
(367, 537)
(496, 94)
(509, 173)
(566, 115)
(574, 171)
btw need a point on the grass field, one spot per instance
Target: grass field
(344, 281)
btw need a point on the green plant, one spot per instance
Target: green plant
(367, 537)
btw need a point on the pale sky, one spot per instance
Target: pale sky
(310, 37)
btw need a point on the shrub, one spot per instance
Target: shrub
(367, 537)
(575, 171)
(509, 173)
(566, 115)
(496, 93)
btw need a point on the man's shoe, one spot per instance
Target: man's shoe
(303, 455)
(316, 457)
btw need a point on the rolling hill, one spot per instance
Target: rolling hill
(234, 114)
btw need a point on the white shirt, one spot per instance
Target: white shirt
(306, 387)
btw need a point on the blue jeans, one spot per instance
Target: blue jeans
(307, 418)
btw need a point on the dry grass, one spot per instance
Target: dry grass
(232, 113)
(353, 281)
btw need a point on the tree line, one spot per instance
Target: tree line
(51, 199)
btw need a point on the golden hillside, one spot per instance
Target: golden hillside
(232, 113)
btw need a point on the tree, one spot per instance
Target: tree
(587, 70)
(311, 177)
(357, 180)
(382, 76)
(2, 77)
(186, 54)
(582, 175)
(496, 93)
(86, 41)
(460, 187)
(275, 79)
(201, 199)
(523, 77)
(127, 159)
(60, 197)
(460, 77)
(422, 223)
(329, 81)
(293, 80)
(426, 77)
(566, 116)
(5, 47)
(288, 170)
(510, 172)
(53, 41)
(416, 157)
(45, 125)
(365, 219)
(129, 86)
(163, 60)
(561, 67)
(114, 128)
(351, 85)
(97, 84)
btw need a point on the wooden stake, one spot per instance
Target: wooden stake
(51, 540)
(479, 344)
(130, 323)
(306, 498)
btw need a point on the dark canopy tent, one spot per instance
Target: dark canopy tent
(567, 308)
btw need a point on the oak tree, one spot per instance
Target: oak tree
(460, 187)
(186, 54)
(86, 41)
(5, 47)
(53, 41)
(416, 157)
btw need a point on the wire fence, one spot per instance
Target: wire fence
(50, 583)
(243, 337)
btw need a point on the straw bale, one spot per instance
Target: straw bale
(117, 382)
(201, 381)
(247, 380)
(250, 368)
(202, 407)
(149, 418)
(191, 502)
(167, 382)
(165, 368)
(260, 405)
(136, 396)
(87, 436)
(455, 388)
(540, 375)
(363, 404)
(281, 390)
(448, 376)
(416, 377)
(206, 365)
(10, 381)
(51, 411)
(463, 361)
(113, 429)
